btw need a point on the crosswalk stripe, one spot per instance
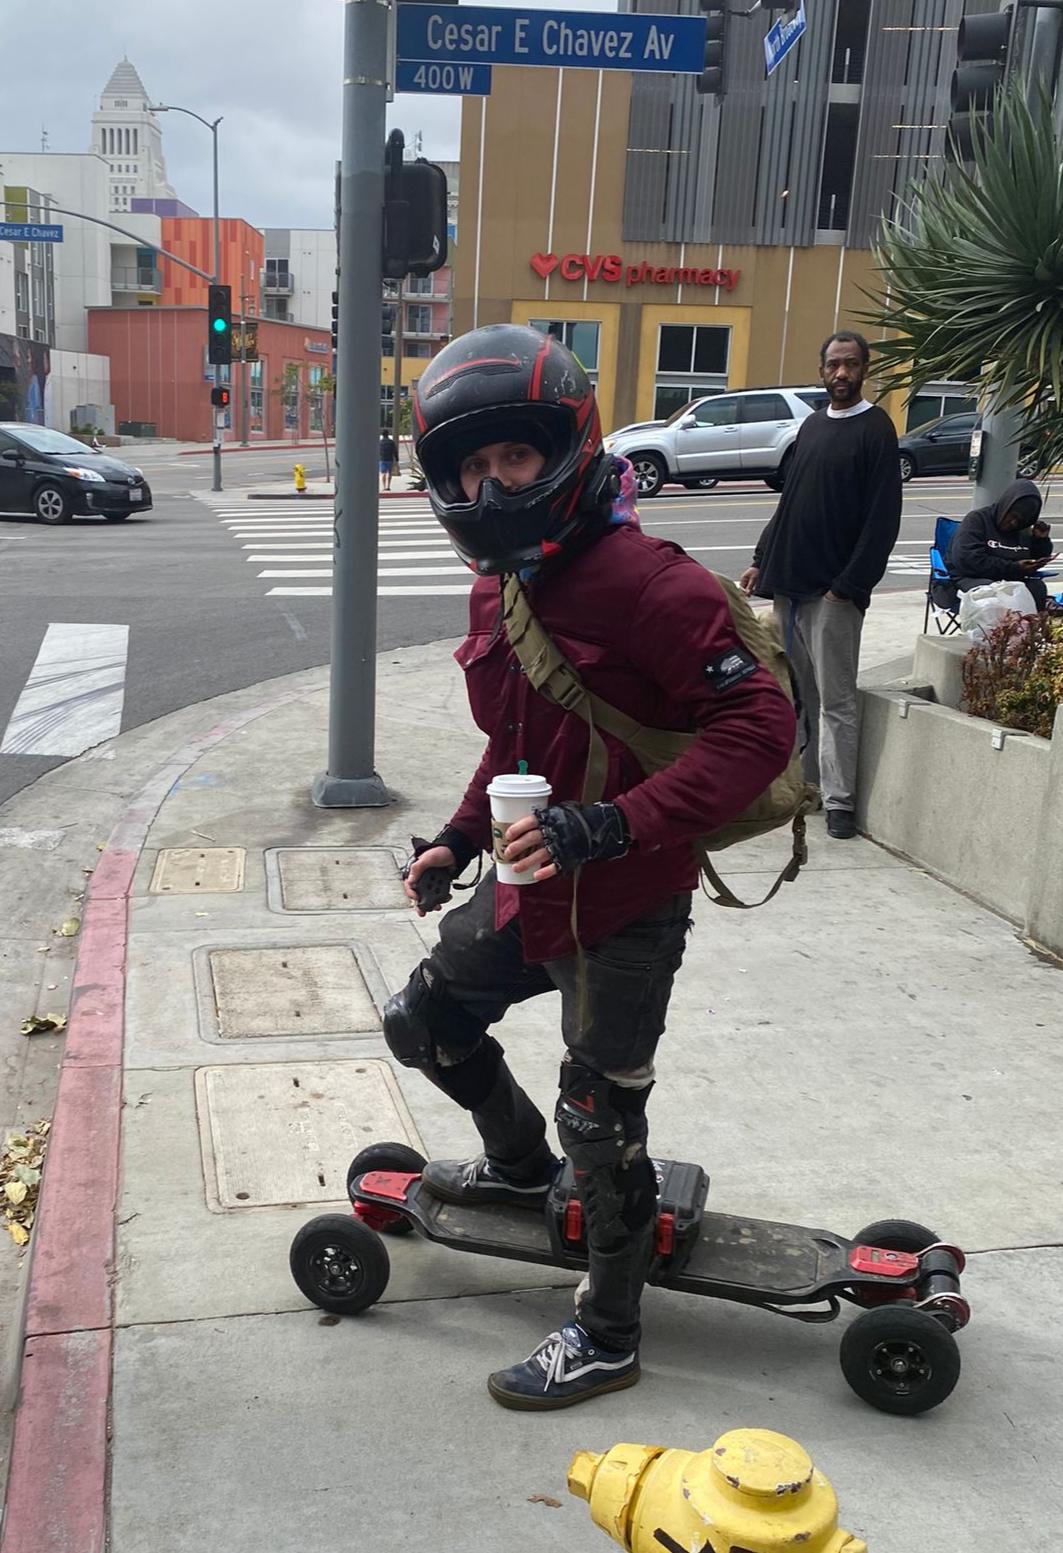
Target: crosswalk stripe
(383, 555)
(74, 694)
(382, 571)
(389, 592)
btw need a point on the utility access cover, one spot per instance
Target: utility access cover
(197, 870)
(285, 1132)
(298, 990)
(334, 879)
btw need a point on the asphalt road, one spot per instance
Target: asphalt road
(206, 593)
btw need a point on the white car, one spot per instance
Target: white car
(740, 436)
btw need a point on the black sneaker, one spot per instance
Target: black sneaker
(477, 1180)
(566, 1368)
(841, 824)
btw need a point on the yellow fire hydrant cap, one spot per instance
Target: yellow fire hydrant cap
(761, 1463)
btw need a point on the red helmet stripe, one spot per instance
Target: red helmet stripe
(467, 366)
(540, 363)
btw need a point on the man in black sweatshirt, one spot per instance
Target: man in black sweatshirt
(820, 557)
(1006, 541)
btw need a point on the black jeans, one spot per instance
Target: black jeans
(623, 1003)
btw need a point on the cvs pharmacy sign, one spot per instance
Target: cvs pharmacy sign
(610, 267)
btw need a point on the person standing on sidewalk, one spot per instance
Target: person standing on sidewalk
(389, 457)
(510, 442)
(820, 557)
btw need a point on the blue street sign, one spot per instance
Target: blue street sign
(782, 36)
(580, 40)
(29, 232)
(453, 80)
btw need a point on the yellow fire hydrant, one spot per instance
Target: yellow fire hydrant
(754, 1492)
(300, 478)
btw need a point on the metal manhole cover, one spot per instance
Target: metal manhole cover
(336, 879)
(307, 991)
(285, 1132)
(197, 870)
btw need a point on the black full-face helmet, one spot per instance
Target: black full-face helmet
(508, 383)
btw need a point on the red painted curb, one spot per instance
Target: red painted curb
(56, 1494)
(57, 1483)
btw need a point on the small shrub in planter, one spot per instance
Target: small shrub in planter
(1015, 675)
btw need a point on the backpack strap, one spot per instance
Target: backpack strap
(725, 896)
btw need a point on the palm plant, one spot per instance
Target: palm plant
(972, 275)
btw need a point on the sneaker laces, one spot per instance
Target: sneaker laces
(472, 1169)
(550, 1356)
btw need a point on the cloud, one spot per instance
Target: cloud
(272, 68)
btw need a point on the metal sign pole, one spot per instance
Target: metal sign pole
(351, 781)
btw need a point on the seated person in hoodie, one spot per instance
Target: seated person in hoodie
(1006, 541)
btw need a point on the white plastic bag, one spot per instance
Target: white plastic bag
(981, 609)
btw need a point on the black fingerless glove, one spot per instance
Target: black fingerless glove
(575, 833)
(433, 886)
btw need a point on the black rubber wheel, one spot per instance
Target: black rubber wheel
(709, 483)
(900, 1359)
(650, 473)
(907, 467)
(51, 504)
(1028, 468)
(776, 481)
(897, 1235)
(339, 1264)
(385, 1156)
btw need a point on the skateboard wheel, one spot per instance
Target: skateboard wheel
(897, 1235)
(899, 1359)
(339, 1264)
(385, 1156)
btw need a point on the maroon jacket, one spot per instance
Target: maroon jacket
(640, 621)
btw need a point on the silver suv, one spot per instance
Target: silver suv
(740, 436)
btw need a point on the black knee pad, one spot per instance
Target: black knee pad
(426, 1028)
(602, 1129)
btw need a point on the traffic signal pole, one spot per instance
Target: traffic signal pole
(216, 427)
(350, 781)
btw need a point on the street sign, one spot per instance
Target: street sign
(247, 336)
(576, 40)
(29, 232)
(782, 36)
(449, 80)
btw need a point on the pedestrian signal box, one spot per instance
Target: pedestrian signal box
(221, 398)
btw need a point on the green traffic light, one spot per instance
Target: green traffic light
(218, 325)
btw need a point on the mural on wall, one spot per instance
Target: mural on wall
(24, 369)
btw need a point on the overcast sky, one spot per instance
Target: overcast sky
(272, 68)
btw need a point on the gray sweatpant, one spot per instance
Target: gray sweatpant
(822, 638)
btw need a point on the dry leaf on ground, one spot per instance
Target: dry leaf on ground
(38, 1024)
(546, 1499)
(20, 1177)
(69, 928)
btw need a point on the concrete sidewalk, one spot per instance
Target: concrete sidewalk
(871, 1044)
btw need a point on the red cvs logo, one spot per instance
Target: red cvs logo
(543, 264)
(579, 266)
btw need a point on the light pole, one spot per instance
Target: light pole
(212, 125)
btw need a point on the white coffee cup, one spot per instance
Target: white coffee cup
(512, 797)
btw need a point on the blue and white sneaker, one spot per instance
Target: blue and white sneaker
(566, 1368)
(478, 1181)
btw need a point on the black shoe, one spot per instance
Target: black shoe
(566, 1368)
(841, 824)
(464, 1181)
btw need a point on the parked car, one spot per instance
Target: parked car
(740, 436)
(943, 447)
(53, 476)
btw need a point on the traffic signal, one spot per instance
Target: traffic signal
(219, 325)
(415, 214)
(335, 319)
(711, 80)
(221, 398)
(981, 66)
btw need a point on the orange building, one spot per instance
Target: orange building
(243, 259)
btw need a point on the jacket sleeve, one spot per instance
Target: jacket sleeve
(473, 815)
(1039, 545)
(971, 555)
(882, 518)
(680, 627)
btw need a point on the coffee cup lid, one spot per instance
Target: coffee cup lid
(514, 786)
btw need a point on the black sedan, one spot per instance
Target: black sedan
(943, 447)
(53, 476)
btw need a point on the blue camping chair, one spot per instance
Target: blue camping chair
(941, 595)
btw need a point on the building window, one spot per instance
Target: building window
(419, 285)
(417, 348)
(22, 292)
(136, 142)
(317, 397)
(418, 320)
(579, 334)
(839, 156)
(691, 362)
(254, 397)
(936, 399)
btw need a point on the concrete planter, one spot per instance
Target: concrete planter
(978, 805)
